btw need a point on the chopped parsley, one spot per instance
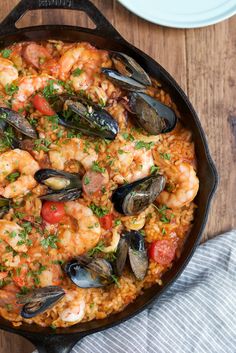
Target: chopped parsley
(154, 169)
(96, 168)
(117, 222)
(13, 176)
(120, 151)
(98, 248)
(50, 241)
(166, 156)
(99, 211)
(142, 144)
(7, 139)
(49, 90)
(86, 180)
(77, 72)
(41, 145)
(6, 53)
(11, 88)
(128, 136)
(24, 290)
(162, 213)
(115, 280)
(67, 86)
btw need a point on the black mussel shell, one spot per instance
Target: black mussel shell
(63, 186)
(4, 206)
(39, 300)
(127, 66)
(91, 120)
(131, 199)
(127, 83)
(63, 195)
(138, 257)
(121, 255)
(152, 115)
(87, 272)
(18, 121)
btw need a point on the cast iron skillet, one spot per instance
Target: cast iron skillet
(105, 36)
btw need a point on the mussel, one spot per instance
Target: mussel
(39, 300)
(18, 121)
(131, 199)
(152, 115)
(127, 83)
(132, 246)
(89, 119)
(4, 206)
(87, 272)
(127, 66)
(62, 186)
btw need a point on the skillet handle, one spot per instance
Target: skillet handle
(54, 343)
(103, 26)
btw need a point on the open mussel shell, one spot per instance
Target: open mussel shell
(4, 206)
(39, 300)
(18, 121)
(138, 257)
(131, 199)
(121, 255)
(132, 246)
(63, 186)
(125, 82)
(127, 66)
(152, 115)
(90, 120)
(87, 272)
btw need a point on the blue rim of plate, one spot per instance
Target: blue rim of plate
(182, 24)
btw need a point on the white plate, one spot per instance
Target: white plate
(182, 13)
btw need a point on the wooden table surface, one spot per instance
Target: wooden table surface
(203, 61)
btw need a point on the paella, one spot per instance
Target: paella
(97, 182)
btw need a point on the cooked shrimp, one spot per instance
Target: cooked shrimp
(186, 187)
(9, 232)
(74, 307)
(84, 57)
(8, 73)
(22, 161)
(86, 232)
(133, 164)
(28, 85)
(51, 276)
(72, 149)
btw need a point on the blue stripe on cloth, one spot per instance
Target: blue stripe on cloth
(196, 315)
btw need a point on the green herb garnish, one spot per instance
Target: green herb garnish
(77, 72)
(6, 53)
(99, 211)
(96, 168)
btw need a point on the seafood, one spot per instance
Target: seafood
(8, 72)
(91, 120)
(18, 121)
(72, 149)
(24, 163)
(87, 232)
(187, 185)
(27, 86)
(132, 245)
(131, 199)
(63, 186)
(87, 272)
(40, 300)
(152, 115)
(10, 232)
(74, 308)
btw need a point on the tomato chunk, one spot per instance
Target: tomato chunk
(106, 221)
(35, 54)
(163, 251)
(92, 182)
(53, 212)
(42, 105)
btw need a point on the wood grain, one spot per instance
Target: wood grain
(203, 61)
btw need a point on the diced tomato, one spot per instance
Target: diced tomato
(35, 54)
(106, 221)
(163, 251)
(3, 275)
(53, 212)
(19, 280)
(92, 182)
(42, 105)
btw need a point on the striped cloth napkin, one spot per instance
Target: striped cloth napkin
(196, 315)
